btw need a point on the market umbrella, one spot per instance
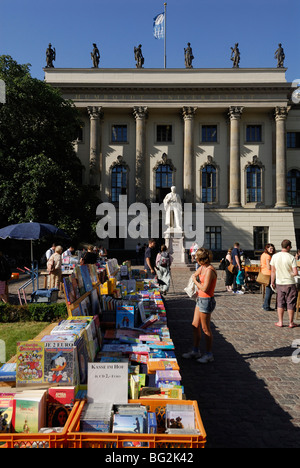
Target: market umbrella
(31, 231)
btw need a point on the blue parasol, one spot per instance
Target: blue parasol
(31, 231)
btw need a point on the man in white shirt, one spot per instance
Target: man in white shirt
(283, 272)
(50, 252)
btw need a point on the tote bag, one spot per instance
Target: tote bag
(191, 289)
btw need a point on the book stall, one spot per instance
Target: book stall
(107, 376)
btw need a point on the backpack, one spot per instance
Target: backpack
(222, 265)
(164, 260)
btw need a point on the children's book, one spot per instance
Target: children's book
(7, 407)
(30, 363)
(61, 365)
(30, 411)
(125, 316)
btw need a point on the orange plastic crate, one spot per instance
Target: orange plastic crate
(39, 440)
(76, 439)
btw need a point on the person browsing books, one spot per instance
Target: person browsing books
(205, 278)
(283, 272)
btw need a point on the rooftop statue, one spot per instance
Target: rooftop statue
(50, 56)
(279, 55)
(95, 54)
(139, 56)
(188, 56)
(235, 55)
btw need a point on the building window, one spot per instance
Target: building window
(293, 139)
(79, 135)
(213, 237)
(209, 184)
(164, 133)
(118, 182)
(254, 133)
(293, 187)
(254, 188)
(209, 133)
(260, 237)
(163, 181)
(119, 133)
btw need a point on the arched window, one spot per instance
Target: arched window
(119, 173)
(254, 186)
(209, 183)
(293, 187)
(163, 181)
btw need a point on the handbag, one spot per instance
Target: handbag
(231, 268)
(191, 289)
(263, 279)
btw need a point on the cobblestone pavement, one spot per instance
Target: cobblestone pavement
(249, 396)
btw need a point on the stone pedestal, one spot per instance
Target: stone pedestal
(174, 241)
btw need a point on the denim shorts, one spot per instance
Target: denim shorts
(206, 304)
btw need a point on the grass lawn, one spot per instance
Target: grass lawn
(11, 333)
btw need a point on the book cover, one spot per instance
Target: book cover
(61, 366)
(62, 395)
(8, 372)
(163, 364)
(95, 302)
(70, 293)
(28, 415)
(74, 282)
(125, 316)
(30, 363)
(83, 359)
(180, 418)
(78, 276)
(87, 281)
(132, 424)
(7, 408)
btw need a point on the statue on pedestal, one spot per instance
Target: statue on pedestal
(173, 209)
(139, 56)
(50, 56)
(95, 54)
(188, 56)
(235, 55)
(279, 55)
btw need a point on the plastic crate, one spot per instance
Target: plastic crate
(39, 440)
(159, 440)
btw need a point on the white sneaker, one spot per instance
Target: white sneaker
(208, 357)
(240, 292)
(192, 355)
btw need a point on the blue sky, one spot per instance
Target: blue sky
(116, 26)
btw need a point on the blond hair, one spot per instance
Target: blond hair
(204, 256)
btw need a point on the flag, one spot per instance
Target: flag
(159, 26)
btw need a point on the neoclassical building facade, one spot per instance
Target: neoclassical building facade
(227, 138)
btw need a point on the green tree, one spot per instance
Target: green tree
(40, 174)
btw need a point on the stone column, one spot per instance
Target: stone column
(280, 119)
(188, 155)
(95, 166)
(140, 114)
(235, 166)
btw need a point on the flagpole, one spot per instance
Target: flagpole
(165, 36)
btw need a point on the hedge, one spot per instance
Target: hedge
(32, 312)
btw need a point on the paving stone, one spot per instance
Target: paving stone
(249, 396)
